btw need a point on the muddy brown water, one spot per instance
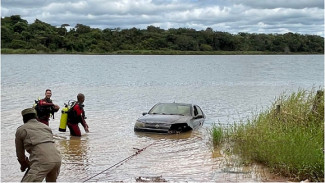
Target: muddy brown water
(118, 88)
(107, 154)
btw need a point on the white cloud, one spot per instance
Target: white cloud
(270, 16)
(271, 4)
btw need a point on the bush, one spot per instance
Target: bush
(17, 44)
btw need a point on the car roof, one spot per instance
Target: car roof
(174, 103)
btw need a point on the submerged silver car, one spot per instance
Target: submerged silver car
(170, 118)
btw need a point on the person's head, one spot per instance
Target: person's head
(28, 114)
(48, 93)
(81, 98)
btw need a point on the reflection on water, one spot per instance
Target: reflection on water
(74, 149)
(162, 136)
(119, 88)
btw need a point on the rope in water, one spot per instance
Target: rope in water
(120, 162)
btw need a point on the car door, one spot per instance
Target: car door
(198, 118)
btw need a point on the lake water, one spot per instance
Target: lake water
(119, 88)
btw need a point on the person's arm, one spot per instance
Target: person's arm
(56, 108)
(20, 150)
(44, 103)
(84, 124)
(79, 111)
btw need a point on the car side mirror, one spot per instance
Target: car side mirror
(144, 113)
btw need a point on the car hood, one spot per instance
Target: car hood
(157, 118)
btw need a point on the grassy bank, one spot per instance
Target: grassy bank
(147, 52)
(288, 138)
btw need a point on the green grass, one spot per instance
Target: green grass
(289, 142)
(217, 135)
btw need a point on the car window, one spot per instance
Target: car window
(174, 109)
(156, 109)
(184, 110)
(197, 111)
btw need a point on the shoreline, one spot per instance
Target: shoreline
(156, 52)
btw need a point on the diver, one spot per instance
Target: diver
(76, 116)
(45, 108)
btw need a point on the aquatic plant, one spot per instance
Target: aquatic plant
(288, 137)
(217, 134)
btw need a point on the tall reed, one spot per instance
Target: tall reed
(288, 137)
(217, 135)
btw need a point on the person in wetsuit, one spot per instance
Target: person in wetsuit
(46, 108)
(76, 116)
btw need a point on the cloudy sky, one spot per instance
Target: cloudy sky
(233, 16)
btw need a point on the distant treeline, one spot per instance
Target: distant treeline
(41, 37)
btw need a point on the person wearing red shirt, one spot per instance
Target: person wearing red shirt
(76, 116)
(46, 107)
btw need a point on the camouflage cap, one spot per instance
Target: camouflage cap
(28, 111)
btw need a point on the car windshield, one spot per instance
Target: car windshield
(172, 109)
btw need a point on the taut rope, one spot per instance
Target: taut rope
(120, 162)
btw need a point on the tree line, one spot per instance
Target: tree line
(39, 36)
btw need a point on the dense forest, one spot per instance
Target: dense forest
(41, 37)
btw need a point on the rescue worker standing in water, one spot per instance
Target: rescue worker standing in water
(46, 107)
(37, 139)
(76, 116)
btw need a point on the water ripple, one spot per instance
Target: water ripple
(119, 88)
